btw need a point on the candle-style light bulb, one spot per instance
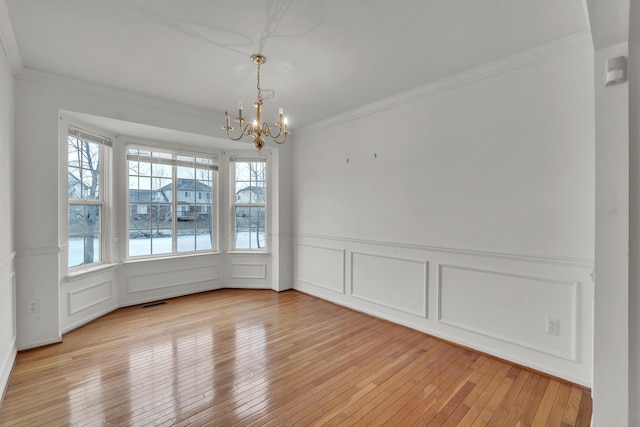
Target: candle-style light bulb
(285, 121)
(239, 110)
(280, 110)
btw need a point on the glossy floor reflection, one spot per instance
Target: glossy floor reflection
(257, 357)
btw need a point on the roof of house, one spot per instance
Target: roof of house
(184, 184)
(146, 196)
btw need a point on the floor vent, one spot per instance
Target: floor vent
(154, 304)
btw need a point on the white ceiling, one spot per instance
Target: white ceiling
(325, 57)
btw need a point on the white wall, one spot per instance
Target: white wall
(7, 222)
(465, 209)
(634, 220)
(611, 311)
(44, 105)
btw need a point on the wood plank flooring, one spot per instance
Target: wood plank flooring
(261, 358)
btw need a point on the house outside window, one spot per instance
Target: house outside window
(166, 182)
(249, 203)
(86, 190)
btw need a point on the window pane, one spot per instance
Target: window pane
(91, 248)
(204, 239)
(76, 251)
(160, 217)
(250, 198)
(161, 242)
(250, 222)
(84, 235)
(186, 240)
(250, 192)
(139, 241)
(84, 168)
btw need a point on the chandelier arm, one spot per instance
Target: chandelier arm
(232, 138)
(284, 140)
(248, 129)
(244, 131)
(266, 129)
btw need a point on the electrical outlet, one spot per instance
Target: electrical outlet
(553, 326)
(33, 306)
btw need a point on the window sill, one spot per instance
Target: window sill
(82, 273)
(134, 261)
(248, 252)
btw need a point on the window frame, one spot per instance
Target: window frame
(233, 203)
(176, 207)
(105, 152)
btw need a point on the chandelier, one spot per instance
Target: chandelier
(257, 129)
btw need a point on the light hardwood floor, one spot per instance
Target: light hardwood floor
(257, 357)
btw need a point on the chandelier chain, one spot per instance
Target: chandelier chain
(258, 85)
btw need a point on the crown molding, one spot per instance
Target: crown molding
(34, 76)
(525, 58)
(8, 40)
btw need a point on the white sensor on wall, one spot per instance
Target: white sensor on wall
(614, 71)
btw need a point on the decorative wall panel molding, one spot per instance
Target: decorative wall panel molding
(321, 266)
(7, 298)
(169, 279)
(249, 271)
(572, 262)
(510, 307)
(89, 296)
(8, 328)
(394, 282)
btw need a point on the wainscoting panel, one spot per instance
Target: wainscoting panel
(249, 271)
(510, 307)
(321, 266)
(89, 296)
(168, 279)
(397, 283)
(37, 277)
(8, 334)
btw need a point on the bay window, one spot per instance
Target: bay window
(249, 203)
(86, 156)
(165, 216)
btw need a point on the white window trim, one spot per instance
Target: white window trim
(233, 204)
(175, 209)
(105, 140)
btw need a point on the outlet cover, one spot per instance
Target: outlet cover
(553, 326)
(33, 306)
